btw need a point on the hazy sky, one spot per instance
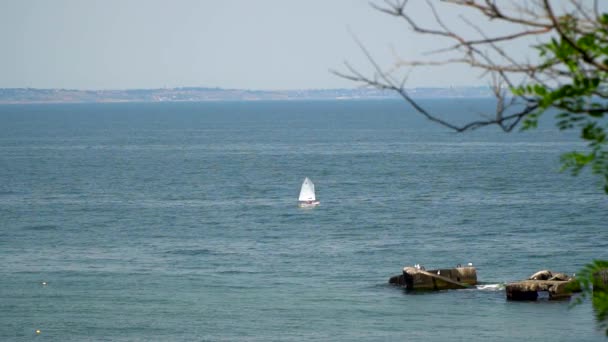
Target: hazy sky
(261, 44)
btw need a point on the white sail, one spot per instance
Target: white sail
(307, 193)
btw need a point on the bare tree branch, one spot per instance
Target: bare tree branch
(489, 54)
(492, 11)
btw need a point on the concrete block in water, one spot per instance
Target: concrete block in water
(414, 278)
(557, 285)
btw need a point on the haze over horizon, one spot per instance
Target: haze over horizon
(262, 45)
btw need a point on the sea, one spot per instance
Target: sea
(180, 222)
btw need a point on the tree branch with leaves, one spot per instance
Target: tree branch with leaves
(569, 77)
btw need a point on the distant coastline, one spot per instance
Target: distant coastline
(202, 94)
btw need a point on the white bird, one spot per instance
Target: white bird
(438, 272)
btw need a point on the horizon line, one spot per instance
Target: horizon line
(240, 89)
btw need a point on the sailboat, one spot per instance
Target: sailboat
(307, 194)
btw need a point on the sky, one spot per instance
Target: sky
(261, 44)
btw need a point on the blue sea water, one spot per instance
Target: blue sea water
(179, 222)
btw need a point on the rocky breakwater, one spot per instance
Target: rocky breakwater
(418, 278)
(557, 285)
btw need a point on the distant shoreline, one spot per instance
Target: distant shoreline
(201, 94)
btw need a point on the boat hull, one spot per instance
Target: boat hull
(309, 204)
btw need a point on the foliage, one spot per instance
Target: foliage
(593, 286)
(580, 96)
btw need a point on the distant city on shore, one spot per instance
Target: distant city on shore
(201, 94)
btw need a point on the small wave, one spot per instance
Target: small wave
(190, 252)
(41, 227)
(237, 271)
(490, 287)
